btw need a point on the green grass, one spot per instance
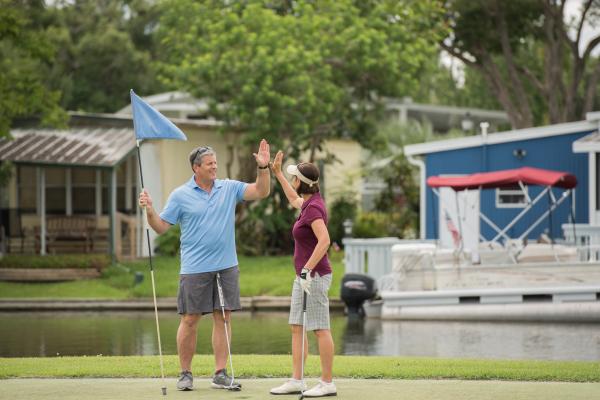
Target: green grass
(97, 261)
(259, 276)
(262, 366)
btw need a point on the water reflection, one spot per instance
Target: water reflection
(493, 340)
(361, 337)
(134, 333)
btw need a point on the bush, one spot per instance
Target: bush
(370, 225)
(97, 261)
(342, 208)
(265, 227)
(168, 243)
(379, 224)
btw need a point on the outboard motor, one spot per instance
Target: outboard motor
(356, 289)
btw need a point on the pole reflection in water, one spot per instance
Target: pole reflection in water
(49, 334)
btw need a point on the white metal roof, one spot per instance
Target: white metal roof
(500, 137)
(124, 118)
(587, 144)
(99, 147)
(172, 101)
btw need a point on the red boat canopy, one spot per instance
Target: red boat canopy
(506, 178)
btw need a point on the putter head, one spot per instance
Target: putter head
(164, 391)
(234, 388)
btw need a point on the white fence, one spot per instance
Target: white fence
(371, 257)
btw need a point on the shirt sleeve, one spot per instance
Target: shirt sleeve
(312, 213)
(239, 188)
(172, 210)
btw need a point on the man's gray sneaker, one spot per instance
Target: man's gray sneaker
(223, 381)
(185, 381)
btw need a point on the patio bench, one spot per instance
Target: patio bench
(67, 231)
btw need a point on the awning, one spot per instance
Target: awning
(94, 147)
(506, 178)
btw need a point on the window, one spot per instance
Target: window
(84, 190)
(27, 188)
(512, 197)
(56, 198)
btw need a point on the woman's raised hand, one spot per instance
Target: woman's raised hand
(276, 164)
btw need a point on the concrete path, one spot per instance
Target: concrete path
(254, 389)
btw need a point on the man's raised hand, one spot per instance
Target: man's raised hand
(264, 154)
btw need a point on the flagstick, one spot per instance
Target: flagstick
(145, 218)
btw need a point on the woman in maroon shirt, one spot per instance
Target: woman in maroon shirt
(313, 275)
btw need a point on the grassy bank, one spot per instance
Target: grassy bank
(259, 276)
(261, 366)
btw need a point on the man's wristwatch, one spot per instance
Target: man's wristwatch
(265, 167)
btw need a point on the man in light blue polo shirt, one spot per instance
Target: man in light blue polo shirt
(204, 207)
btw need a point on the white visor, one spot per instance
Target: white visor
(293, 170)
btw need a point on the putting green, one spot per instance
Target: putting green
(348, 389)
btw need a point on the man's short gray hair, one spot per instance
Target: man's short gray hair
(199, 152)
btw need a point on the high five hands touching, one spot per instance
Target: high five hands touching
(264, 154)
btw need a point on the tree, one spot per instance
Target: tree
(298, 72)
(532, 55)
(106, 48)
(440, 85)
(25, 56)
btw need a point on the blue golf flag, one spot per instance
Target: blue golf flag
(148, 123)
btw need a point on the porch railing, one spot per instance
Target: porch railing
(26, 239)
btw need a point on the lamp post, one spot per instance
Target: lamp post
(467, 123)
(348, 225)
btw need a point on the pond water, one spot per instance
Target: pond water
(47, 334)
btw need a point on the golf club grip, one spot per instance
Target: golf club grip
(304, 297)
(144, 217)
(220, 289)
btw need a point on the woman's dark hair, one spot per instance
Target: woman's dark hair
(311, 172)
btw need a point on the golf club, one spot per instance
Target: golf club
(304, 296)
(145, 218)
(220, 290)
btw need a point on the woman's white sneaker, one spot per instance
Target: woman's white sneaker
(292, 386)
(322, 389)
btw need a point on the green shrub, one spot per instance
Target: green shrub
(370, 225)
(168, 243)
(97, 261)
(381, 224)
(341, 209)
(265, 227)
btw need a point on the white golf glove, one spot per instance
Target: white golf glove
(305, 279)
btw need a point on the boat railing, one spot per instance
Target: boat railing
(586, 238)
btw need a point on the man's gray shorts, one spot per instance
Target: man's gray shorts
(317, 303)
(198, 293)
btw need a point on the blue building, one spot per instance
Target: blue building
(569, 147)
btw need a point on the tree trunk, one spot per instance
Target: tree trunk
(521, 101)
(492, 75)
